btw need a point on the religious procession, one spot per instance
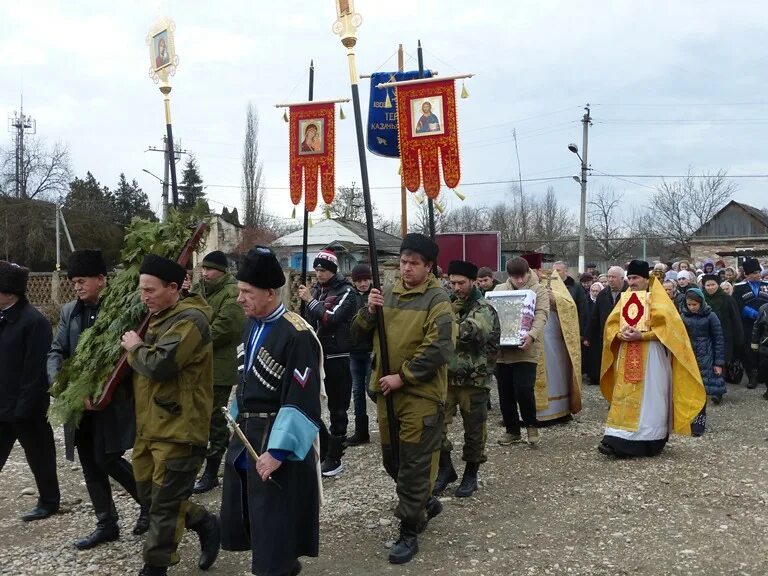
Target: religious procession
(296, 403)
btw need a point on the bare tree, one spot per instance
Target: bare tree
(348, 204)
(550, 221)
(46, 171)
(419, 221)
(678, 209)
(467, 218)
(252, 193)
(606, 229)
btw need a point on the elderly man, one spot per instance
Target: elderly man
(603, 305)
(103, 436)
(750, 295)
(271, 506)
(652, 381)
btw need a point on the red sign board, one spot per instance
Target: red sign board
(480, 248)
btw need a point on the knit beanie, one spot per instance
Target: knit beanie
(361, 272)
(327, 260)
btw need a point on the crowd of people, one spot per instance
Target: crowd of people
(421, 349)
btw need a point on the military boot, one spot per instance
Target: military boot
(209, 533)
(406, 547)
(446, 474)
(106, 517)
(210, 478)
(142, 522)
(149, 570)
(468, 481)
(361, 435)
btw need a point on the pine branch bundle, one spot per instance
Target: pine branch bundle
(98, 349)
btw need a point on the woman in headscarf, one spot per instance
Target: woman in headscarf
(727, 287)
(727, 311)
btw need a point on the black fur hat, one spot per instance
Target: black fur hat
(462, 268)
(639, 268)
(421, 245)
(13, 278)
(751, 265)
(86, 263)
(163, 268)
(261, 269)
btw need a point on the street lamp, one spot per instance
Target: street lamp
(583, 213)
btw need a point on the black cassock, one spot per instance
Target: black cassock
(278, 401)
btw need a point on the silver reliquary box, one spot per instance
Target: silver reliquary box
(515, 309)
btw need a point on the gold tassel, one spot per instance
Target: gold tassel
(387, 101)
(400, 169)
(459, 194)
(439, 207)
(327, 212)
(310, 221)
(464, 93)
(293, 214)
(419, 198)
(342, 116)
(285, 115)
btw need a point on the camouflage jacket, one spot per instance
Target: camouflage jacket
(477, 344)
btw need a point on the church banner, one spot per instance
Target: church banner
(428, 134)
(382, 113)
(312, 152)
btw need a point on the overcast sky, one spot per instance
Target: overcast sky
(672, 85)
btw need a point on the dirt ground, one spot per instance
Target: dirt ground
(699, 509)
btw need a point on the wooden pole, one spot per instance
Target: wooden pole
(430, 203)
(403, 192)
(305, 237)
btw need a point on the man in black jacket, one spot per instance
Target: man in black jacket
(602, 308)
(750, 295)
(331, 305)
(103, 436)
(576, 292)
(25, 336)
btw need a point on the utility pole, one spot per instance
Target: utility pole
(21, 124)
(166, 167)
(586, 121)
(523, 214)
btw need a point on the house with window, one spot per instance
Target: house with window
(734, 233)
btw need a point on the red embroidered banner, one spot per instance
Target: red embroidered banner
(428, 134)
(312, 152)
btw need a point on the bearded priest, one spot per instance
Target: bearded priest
(649, 373)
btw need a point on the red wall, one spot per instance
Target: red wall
(482, 249)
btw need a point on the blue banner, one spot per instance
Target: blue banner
(382, 120)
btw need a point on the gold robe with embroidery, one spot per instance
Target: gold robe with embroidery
(569, 324)
(622, 377)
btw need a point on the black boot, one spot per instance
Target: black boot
(406, 547)
(434, 507)
(445, 474)
(142, 522)
(149, 570)
(752, 384)
(40, 512)
(332, 464)
(468, 481)
(210, 478)
(209, 533)
(361, 435)
(106, 516)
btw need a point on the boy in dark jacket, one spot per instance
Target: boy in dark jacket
(331, 305)
(360, 359)
(25, 337)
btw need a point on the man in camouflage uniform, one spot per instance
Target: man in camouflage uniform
(420, 339)
(219, 288)
(173, 394)
(469, 377)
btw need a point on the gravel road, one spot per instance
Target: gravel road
(699, 508)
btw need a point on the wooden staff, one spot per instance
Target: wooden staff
(240, 434)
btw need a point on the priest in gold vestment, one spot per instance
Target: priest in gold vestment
(650, 377)
(558, 373)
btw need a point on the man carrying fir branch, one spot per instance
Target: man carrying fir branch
(102, 437)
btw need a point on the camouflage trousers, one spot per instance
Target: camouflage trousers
(419, 425)
(472, 402)
(165, 473)
(218, 435)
